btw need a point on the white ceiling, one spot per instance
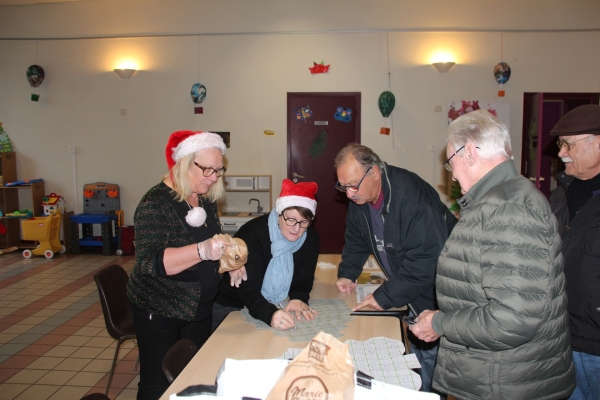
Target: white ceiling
(27, 2)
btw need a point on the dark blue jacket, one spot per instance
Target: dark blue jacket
(581, 249)
(416, 226)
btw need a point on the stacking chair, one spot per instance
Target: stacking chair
(177, 357)
(118, 317)
(95, 396)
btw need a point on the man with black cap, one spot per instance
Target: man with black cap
(576, 204)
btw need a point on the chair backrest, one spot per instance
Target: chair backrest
(177, 357)
(96, 396)
(112, 288)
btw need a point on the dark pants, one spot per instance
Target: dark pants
(155, 335)
(426, 353)
(219, 313)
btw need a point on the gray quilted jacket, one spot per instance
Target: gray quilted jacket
(501, 291)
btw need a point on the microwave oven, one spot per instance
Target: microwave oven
(246, 182)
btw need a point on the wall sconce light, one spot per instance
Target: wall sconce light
(443, 67)
(125, 73)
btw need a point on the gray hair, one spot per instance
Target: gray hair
(482, 129)
(364, 155)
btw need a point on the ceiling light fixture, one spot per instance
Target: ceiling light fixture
(125, 73)
(443, 67)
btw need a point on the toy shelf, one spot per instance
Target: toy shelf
(31, 194)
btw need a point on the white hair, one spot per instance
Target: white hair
(483, 130)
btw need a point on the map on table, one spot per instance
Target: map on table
(332, 318)
(382, 358)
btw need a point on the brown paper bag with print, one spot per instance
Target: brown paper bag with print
(235, 256)
(322, 371)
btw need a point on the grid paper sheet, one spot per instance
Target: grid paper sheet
(382, 358)
(332, 318)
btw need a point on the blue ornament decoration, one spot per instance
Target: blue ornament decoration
(343, 114)
(198, 93)
(502, 72)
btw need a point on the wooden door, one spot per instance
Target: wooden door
(319, 125)
(541, 111)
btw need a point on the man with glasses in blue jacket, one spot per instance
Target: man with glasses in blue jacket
(398, 218)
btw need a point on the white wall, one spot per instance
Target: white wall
(248, 76)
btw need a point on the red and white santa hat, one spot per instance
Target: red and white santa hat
(300, 194)
(183, 143)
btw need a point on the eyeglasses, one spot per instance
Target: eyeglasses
(351, 188)
(570, 145)
(447, 163)
(208, 171)
(410, 320)
(293, 222)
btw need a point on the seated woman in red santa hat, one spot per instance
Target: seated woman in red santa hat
(282, 256)
(175, 278)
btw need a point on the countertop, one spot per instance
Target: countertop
(241, 214)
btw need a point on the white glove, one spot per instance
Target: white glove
(212, 249)
(237, 276)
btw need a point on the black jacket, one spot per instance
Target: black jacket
(256, 235)
(416, 226)
(581, 249)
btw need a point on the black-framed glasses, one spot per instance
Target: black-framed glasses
(208, 171)
(410, 320)
(293, 222)
(570, 145)
(447, 163)
(351, 188)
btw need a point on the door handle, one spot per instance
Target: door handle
(296, 176)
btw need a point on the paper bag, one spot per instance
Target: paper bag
(323, 370)
(235, 256)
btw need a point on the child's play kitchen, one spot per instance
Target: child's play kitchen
(246, 197)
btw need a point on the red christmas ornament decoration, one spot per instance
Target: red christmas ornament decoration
(319, 68)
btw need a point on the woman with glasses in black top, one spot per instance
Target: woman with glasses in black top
(282, 256)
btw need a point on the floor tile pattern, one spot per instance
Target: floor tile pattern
(53, 341)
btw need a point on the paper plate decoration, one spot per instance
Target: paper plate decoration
(502, 74)
(35, 75)
(304, 113)
(386, 103)
(319, 68)
(343, 114)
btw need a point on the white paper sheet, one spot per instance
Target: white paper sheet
(363, 291)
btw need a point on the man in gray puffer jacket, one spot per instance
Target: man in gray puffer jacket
(500, 283)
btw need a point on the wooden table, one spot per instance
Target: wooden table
(237, 339)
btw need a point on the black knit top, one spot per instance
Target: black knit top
(160, 223)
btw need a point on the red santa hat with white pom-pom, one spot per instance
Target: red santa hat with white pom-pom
(300, 194)
(183, 143)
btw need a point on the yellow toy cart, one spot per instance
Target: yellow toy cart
(44, 230)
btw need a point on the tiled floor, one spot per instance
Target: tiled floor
(53, 341)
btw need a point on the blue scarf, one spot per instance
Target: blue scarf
(280, 271)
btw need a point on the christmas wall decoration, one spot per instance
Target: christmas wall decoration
(4, 140)
(318, 145)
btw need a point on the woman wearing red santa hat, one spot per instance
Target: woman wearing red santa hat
(282, 257)
(175, 278)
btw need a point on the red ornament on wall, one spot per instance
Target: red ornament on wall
(319, 68)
